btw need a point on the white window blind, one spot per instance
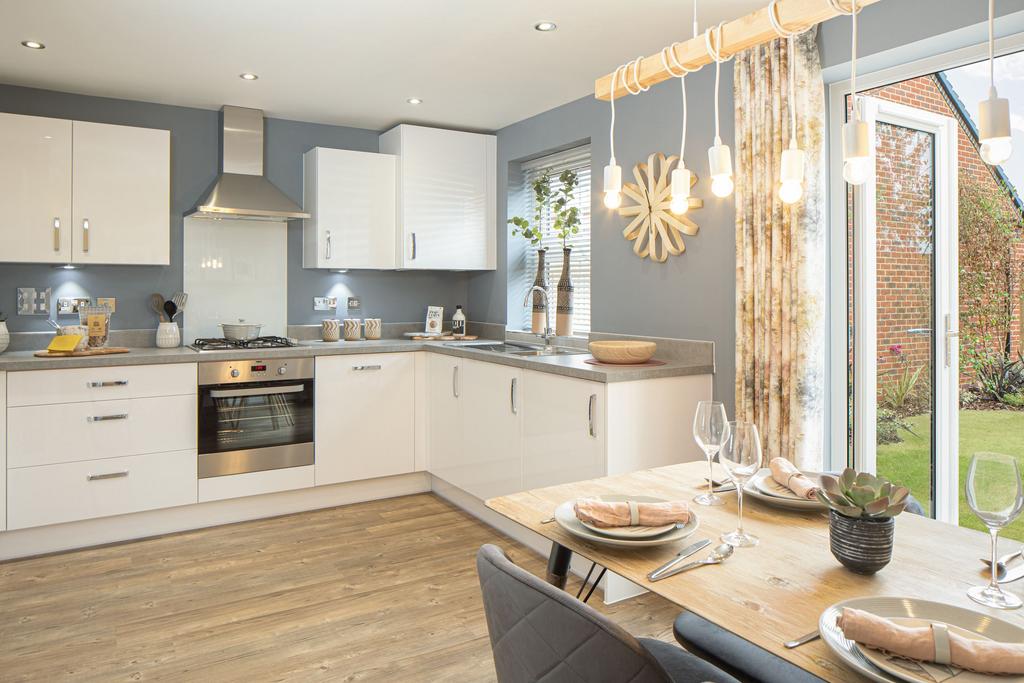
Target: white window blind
(578, 160)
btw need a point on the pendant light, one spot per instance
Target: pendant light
(613, 172)
(994, 113)
(791, 186)
(858, 157)
(719, 155)
(681, 176)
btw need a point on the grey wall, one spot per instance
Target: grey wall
(691, 296)
(194, 158)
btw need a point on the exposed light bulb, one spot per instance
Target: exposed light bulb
(679, 205)
(858, 160)
(791, 191)
(612, 185)
(994, 128)
(721, 186)
(996, 151)
(720, 162)
(681, 178)
(857, 170)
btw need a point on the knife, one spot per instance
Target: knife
(660, 572)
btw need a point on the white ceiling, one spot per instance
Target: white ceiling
(475, 63)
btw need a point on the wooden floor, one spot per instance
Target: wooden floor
(381, 591)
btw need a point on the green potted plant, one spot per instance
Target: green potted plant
(862, 508)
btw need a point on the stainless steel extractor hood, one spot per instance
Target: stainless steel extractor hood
(240, 190)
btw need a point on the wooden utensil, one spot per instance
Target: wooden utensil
(156, 302)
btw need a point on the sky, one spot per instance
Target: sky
(971, 85)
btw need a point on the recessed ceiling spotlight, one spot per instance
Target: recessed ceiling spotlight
(33, 45)
(248, 76)
(414, 100)
(545, 26)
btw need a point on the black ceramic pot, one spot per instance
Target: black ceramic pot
(862, 544)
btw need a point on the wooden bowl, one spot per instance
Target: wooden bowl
(624, 352)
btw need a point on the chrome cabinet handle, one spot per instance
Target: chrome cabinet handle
(107, 418)
(257, 391)
(109, 383)
(56, 233)
(327, 245)
(455, 381)
(85, 234)
(366, 367)
(592, 426)
(413, 257)
(106, 475)
(950, 335)
(514, 398)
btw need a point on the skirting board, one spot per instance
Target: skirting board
(93, 532)
(615, 587)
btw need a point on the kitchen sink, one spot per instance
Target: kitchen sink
(554, 351)
(516, 349)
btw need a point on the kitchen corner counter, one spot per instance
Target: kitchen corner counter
(565, 365)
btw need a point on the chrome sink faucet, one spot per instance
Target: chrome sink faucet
(548, 332)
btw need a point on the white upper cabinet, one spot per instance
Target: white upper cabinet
(35, 174)
(121, 194)
(351, 199)
(83, 192)
(446, 198)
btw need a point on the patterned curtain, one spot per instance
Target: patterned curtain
(780, 253)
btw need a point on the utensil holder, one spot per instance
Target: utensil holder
(168, 336)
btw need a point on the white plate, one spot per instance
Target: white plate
(851, 654)
(763, 487)
(565, 515)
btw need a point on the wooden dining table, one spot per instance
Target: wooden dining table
(776, 591)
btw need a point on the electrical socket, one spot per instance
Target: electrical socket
(110, 302)
(354, 303)
(32, 301)
(325, 303)
(69, 305)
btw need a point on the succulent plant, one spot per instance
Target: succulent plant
(859, 494)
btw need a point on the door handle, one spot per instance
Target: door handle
(108, 383)
(85, 234)
(951, 334)
(107, 475)
(413, 257)
(455, 381)
(327, 245)
(366, 367)
(56, 233)
(107, 418)
(592, 425)
(514, 398)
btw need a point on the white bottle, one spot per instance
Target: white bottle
(459, 323)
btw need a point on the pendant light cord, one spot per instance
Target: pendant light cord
(776, 21)
(714, 51)
(991, 43)
(672, 65)
(611, 128)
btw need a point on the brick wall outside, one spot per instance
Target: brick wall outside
(904, 220)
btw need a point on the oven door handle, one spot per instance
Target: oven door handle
(256, 391)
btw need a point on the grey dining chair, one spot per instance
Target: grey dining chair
(542, 634)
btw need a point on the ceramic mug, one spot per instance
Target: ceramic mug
(372, 327)
(330, 330)
(81, 330)
(352, 326)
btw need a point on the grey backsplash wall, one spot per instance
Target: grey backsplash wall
(195, 144)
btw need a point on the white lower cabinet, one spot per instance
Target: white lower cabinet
(492, 421)
(563, 429)
(3, 451)
(66, 492)
(365, 416)
(444, 416)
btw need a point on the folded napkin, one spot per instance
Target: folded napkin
(931, 644)
(786, 473)
(630, 513)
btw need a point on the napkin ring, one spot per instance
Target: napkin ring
(634, 513)
(940, 634)
(789, 479)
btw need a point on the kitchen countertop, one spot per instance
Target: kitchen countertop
(566, 365)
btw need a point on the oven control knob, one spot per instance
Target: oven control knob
(235, 373)
(282, 370)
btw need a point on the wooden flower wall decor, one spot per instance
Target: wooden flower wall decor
(655, 231)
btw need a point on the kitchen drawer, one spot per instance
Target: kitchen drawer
(41, 387)
(51, 494)
(73, 432)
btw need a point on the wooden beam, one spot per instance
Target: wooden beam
(737, 35)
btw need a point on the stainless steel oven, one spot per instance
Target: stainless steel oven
(255, 415)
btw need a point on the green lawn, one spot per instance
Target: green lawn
(980, 430)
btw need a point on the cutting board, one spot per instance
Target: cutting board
(106, 350)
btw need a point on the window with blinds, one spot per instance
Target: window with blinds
(578, 160)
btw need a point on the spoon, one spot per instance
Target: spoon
(170, 309)
(719, 555)
(1003, 561)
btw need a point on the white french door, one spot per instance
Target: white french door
(903, 305)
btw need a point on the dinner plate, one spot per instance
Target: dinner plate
(855, 657)
(565, 515)
(764, 488)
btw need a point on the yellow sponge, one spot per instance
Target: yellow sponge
(64, 342)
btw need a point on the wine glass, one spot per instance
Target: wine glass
(741, 457)
(710, 431)
(995, 496)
